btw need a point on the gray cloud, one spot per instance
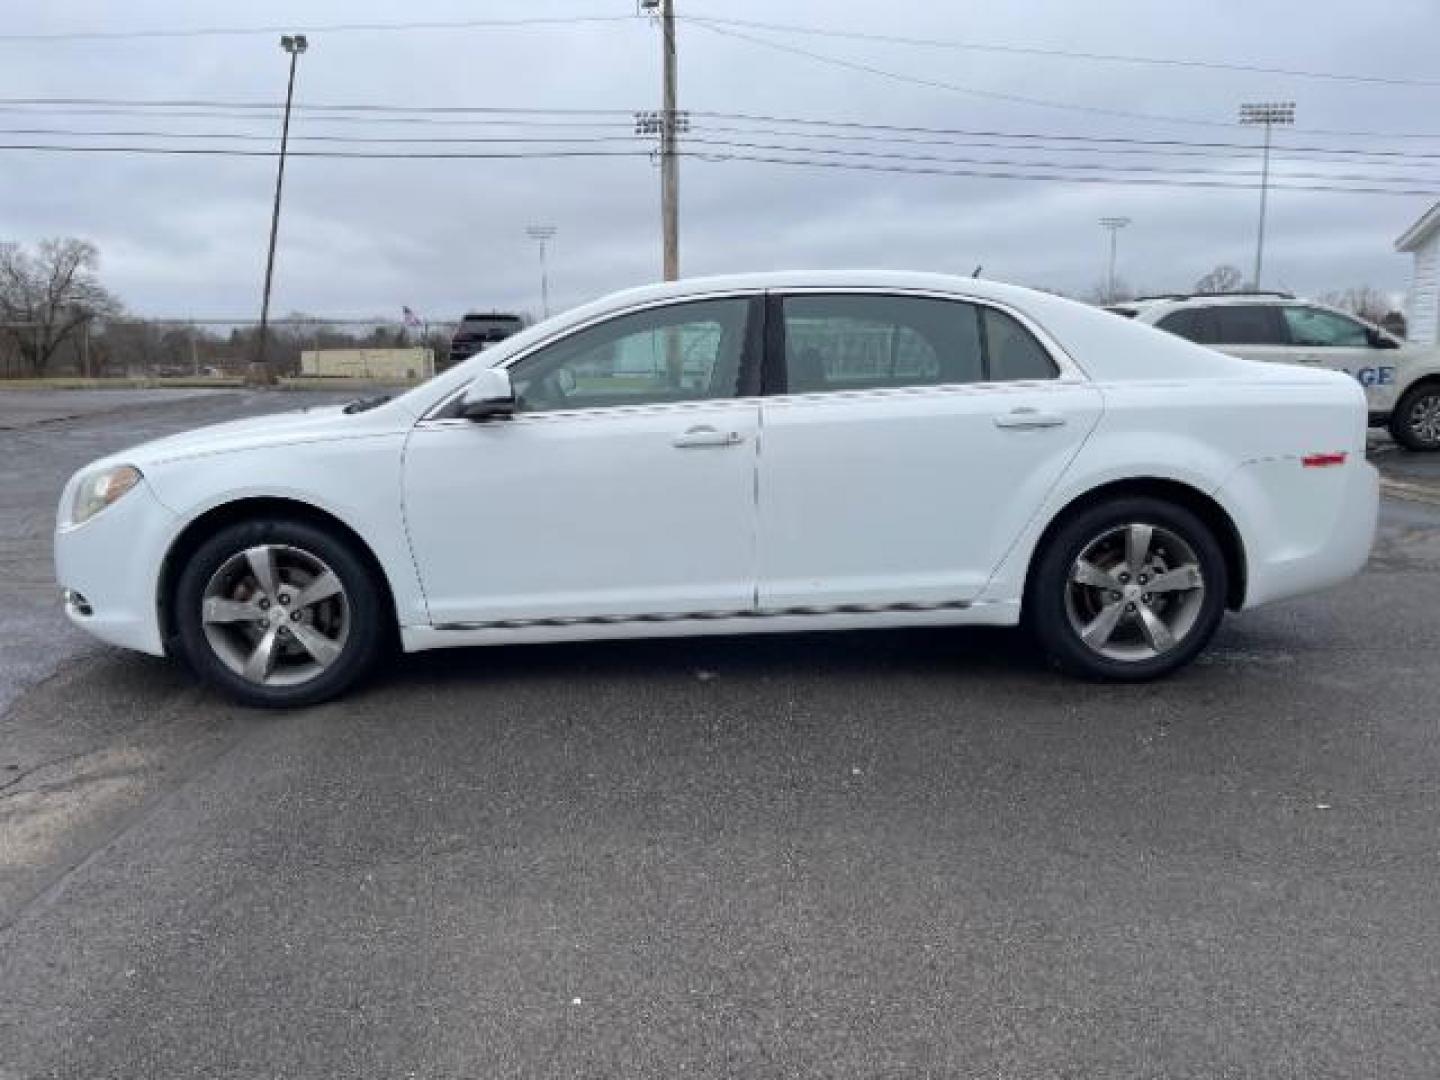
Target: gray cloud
(187, 235)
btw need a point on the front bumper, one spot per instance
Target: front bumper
(110, 565)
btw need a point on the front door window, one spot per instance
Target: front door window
(682, 352)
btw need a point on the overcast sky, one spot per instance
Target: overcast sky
(185, 236)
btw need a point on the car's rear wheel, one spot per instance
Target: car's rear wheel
(1130, 589)
(279, 613)
(1415, 423)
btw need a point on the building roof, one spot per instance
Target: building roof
(1421, 231)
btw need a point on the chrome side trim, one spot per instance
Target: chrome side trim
(707, 616)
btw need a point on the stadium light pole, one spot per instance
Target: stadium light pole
(1266, 114)
(540, 234)
(260, 372)
(1114, 224)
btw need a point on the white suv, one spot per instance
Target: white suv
(1401, 381)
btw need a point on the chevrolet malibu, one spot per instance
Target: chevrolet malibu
(738, 455)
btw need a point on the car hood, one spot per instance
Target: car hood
(314, 424)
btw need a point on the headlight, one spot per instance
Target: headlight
(98, 490)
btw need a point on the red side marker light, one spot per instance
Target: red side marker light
(1322, 461)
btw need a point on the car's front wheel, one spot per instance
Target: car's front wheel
(1415, 423)
(1129, 589)
(279, 613)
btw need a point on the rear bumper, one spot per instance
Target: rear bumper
(1304, 529)
(113, 562)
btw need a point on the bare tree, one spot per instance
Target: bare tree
(1101, 293)
(1222, 279)
(48, 295)
(1363, 300)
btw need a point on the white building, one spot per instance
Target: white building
(1422, 306)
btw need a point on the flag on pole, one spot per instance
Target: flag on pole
(411, 319)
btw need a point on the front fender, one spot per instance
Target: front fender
(355, 481)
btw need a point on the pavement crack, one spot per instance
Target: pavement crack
(200, 766)
(33, 769)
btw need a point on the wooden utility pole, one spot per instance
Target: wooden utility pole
(669, 164)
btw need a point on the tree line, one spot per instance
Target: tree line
(56, 317)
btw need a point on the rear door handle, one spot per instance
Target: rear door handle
(705, 435)
(1025, 417)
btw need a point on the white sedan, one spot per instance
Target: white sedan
(734, 455)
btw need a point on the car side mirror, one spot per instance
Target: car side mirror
(1380, 341)
(489, 397)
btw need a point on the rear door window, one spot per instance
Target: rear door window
(1193, 324)
(1012, 351)
(869, 342)
(1249, 324)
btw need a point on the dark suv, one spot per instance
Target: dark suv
(478, 330)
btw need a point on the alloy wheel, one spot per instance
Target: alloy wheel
(1135, 592)
(276, 615)
(1425, 418)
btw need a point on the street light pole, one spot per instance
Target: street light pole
(1114, 224)
(540, 234)
(1268, 114)
(260, 372)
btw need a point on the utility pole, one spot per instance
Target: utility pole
(669, 164)
(260, 372)
(540, 234)
(1267, 113)
(668, 124)
(1114, 224)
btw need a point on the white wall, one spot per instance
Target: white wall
(1422, 309)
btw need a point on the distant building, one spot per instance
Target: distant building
(1423, 303)
(411, 364)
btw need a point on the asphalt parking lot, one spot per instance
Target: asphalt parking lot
(858, 854)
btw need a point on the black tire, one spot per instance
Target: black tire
(1418, 404)
(1051, 595)
(367, 615)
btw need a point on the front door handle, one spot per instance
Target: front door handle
(705, 435)
(1025, 417)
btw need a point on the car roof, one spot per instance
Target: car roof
(1101, 345)
(1178, 302)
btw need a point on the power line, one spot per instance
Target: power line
(424, 140)
(1010, 162)
(1063, 54)
(1008, 175)
(252, 137)
(1016, 99)
(219, 114)
(787, 28)
(883, 166)
(864, 125)
(936, 84)
(474, 113)
(331, 28)
(1213, 151)
(1243, 152)
(356, 107)
(218, 151)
